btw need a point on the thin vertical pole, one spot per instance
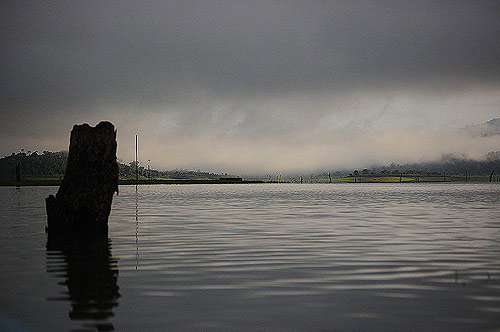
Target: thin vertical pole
(136, 156)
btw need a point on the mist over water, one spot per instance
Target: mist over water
(347, 257)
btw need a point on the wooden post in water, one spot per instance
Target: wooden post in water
(491, 175)
(400, 177)
(466, 176)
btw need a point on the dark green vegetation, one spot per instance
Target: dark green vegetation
(128, 172)
(33, 165)
(47, 169)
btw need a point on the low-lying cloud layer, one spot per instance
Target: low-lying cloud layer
(253, 86)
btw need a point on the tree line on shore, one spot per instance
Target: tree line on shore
(448, 164)
(53, 164)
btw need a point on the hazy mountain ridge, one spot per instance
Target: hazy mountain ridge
(450, 164)
(490, 128)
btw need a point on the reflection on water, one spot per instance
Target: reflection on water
(89, 272)
(136, 227)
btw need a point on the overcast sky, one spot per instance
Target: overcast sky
(253, 86)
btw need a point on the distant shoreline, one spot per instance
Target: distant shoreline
(57, 182)
(350, 179)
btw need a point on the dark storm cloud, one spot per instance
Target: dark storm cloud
(201, 62)
(80, 51)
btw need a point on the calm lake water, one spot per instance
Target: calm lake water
(339, 257)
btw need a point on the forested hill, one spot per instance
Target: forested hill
(34, 165)
(53, 164)
(449, 164)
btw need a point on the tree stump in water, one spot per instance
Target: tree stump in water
(83, 201)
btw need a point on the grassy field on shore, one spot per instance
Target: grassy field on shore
(407, 178)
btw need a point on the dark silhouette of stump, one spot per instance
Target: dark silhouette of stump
(83, 201)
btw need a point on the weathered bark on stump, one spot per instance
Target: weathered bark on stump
(83, 201)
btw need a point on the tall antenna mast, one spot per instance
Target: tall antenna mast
(136, 156)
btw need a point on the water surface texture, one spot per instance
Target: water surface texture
(330, 257)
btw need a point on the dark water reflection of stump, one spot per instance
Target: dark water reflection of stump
(90, 274)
